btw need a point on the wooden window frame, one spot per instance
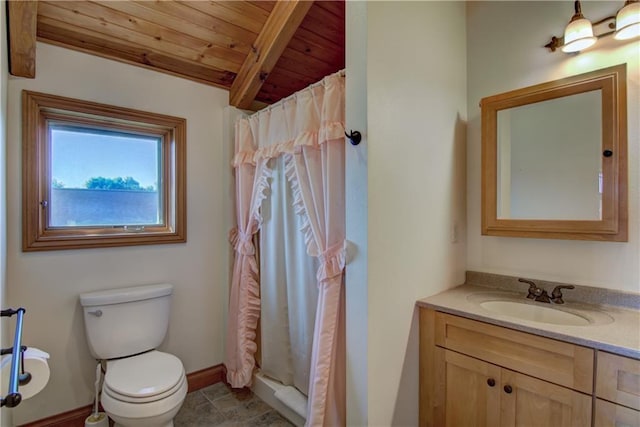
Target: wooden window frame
(38, 110)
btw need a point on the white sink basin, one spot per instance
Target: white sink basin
(534, 313)
(516, 306)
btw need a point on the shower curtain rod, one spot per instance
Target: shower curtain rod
(341, 73)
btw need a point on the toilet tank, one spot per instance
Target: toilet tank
(126, 321)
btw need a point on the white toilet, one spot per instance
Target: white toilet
(142, 386)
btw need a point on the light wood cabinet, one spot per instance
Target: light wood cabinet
(533, 402)
(617, 391)
(478, 393)
(468, 399)
(618, 379)
(558, 362)
(476, 374)
(609, 414)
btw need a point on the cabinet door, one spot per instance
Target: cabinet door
(618, 379)
(611, 415)
(468, 398)
(529, 402)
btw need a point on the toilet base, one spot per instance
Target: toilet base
(162, 420)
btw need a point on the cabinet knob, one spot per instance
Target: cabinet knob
(508, 389)
(491, 382)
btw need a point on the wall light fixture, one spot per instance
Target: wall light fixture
(628, 21)
(579, 33)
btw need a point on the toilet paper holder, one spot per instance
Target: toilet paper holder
(13, 397)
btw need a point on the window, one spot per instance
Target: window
(95, 175)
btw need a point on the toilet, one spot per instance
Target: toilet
(142, 386)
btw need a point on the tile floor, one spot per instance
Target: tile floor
(221, 406)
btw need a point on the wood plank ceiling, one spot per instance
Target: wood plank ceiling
(230, 44)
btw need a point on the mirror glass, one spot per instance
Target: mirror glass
(554, 159)
(549, 159)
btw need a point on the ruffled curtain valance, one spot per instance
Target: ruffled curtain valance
(308, 129)
(308, 119)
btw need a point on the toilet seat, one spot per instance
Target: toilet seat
(128, 399)
(144, 378)
(165, 408)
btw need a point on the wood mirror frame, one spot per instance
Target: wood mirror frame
(612, 225)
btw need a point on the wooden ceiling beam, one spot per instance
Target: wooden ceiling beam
(21, 22)
(282, 23)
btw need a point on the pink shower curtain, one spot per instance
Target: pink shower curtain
(309, 130)
(316, 173)
(244, 298)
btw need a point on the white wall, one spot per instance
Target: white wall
(48, 283)
(415, 107)
(504, 41)
(5, 414)
(356, 292)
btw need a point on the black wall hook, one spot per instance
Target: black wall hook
(355, 137)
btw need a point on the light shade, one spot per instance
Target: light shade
(628, 21)
(578, 35)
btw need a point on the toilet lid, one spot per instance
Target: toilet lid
(144, 375)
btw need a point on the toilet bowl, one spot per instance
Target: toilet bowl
(142, 386)
(144, 390)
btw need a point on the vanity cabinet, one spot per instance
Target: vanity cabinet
(478, 393)
(617, 391)
(476, 374)
(463, 391)
(609, 414)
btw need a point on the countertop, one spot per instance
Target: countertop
(619, 335)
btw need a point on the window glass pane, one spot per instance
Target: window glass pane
(104, 178)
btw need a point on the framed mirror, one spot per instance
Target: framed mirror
(554, 159)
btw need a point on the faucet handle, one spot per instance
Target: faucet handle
(534, 290)
(556, 294)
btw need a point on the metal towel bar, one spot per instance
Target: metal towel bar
(13, 397)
